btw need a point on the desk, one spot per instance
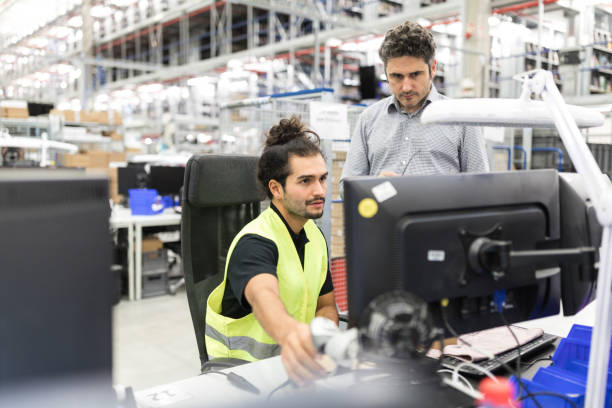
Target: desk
(122, 218)
(215, 390)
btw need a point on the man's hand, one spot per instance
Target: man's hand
(299, 355)
(297, 349)
(388, 173)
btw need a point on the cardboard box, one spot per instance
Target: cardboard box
(76, 160)
(15, 113)
(151, 244)
(116, 118)
(116, 136)
(68, 115)
(98, 159)
(116, 157)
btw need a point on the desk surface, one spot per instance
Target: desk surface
(214, 389)
(122, 217)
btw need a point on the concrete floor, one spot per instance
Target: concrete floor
(153, 341)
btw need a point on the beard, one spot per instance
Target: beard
(301, 210)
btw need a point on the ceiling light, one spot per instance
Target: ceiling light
(8, 58)
(60, 31)
(76, 21)
(38, 42)
(23, 50)
(122, 3)
(202, 80)
(100, 11)
(150, 88)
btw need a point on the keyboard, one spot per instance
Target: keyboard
(503, 358)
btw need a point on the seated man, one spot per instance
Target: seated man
(277, 276)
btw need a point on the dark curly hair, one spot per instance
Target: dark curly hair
(408, 39)
(289, 137)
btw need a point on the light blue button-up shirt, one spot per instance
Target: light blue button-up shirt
(387, 138)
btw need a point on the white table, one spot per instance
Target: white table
(122, 217)
(215, 390)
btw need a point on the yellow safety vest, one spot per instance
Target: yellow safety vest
(299, 289)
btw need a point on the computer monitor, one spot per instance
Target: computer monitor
(57, 290)
(166, 180)
(579, 228)
(415, 233)
(132, 176)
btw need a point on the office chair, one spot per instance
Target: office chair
(220, 196)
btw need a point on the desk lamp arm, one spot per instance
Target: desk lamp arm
(600, 192)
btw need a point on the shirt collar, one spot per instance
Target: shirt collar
(393, 104)
(298, 239)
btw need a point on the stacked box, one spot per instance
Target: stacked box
(337, 218)
(14, 113)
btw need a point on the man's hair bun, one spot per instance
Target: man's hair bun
(288, 130)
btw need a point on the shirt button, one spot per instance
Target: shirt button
(406, 138)
(404, 162)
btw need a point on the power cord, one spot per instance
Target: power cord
(550, 394)
(237, 380)
(444, 304)
(459, 376)
(499, 297)
(532, 363)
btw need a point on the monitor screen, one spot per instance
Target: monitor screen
(57, 290)
(166, 180)
(131, 177)
(414, 233)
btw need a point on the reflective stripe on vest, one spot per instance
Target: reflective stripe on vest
(299, 290)
(255, 348)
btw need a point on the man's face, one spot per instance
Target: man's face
(305, 187)
(410, 81)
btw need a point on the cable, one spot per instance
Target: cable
(499, 297)
(444, 304)
(528, 366)
(459, 376)
(283, 385)
(475, 366)
(550, 394)
(238, 380)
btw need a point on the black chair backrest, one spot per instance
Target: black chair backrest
(220, 196)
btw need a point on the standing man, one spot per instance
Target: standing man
(277, 276)
(390, 139)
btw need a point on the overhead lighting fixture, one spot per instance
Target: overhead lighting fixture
(122, 3)
(201, 80)
(493, 20)
(101, 11)
(8, 58)
(60, 31)
(76, 22)
(38, 42)
(23, 50)
(150, 88)
(42, 76)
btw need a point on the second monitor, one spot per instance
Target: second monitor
(166, 180)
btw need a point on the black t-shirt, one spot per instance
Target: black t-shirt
(252, 255)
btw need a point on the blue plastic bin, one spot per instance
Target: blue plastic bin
(144, 201)
(548, 401)
(168, 201)
(567, 375)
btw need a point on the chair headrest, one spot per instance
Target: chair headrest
(216, 180)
